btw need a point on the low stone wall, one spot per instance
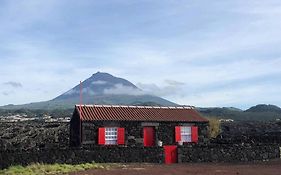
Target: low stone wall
(189, 153)
(186, 153)
(75, 156)
(228, 153)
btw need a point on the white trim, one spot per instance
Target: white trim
(147, 107)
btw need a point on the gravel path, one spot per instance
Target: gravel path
(260, 168)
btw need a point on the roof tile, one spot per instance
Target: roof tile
(138, 113)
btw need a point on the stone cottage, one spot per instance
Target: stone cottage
(137, 126)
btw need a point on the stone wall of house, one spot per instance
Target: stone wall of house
(228, 152)
(164, 131)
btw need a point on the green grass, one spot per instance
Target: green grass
(50, 169)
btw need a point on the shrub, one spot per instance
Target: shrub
(214, 127)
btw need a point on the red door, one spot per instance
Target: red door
(148, 136)
(171, 154)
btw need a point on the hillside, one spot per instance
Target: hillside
(100, 88)
(264, 108)
(258, 112)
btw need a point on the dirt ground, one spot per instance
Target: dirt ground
(259, 168)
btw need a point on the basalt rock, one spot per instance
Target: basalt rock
(252, 132)
(30, 135)
(27, 142)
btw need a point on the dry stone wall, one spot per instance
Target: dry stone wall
(228, 153)
(31, 135)
(80, 155)
(25, 143)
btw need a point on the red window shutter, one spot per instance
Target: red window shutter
(101, 136)
(178, 133)
(121, 136)
(194, 134)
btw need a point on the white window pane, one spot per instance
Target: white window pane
(186, 138)
(110, 136)
(186, 129)
(186, 133)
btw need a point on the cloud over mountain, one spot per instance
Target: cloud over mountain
(13, 84)
(120, 89)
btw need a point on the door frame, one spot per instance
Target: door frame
(145, 137)
(171, 154)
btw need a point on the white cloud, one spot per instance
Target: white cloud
(170, 88)
(99, 82)
(120, 89)
(240, 97)
(7, 93)
(174, 83)
(13, 84)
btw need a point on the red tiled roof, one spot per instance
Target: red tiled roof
(138, 113)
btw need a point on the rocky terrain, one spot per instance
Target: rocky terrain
(249, 132)
(30, 135)
(22, 143)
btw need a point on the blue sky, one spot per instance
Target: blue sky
(202, 53)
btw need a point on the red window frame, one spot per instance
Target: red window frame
(101, 136)
(120, 136)
(194, 134)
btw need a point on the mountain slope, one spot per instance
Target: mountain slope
(98, 84)
(258, 112)
(264, 108)
(100, 88)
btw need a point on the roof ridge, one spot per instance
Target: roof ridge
(137, 106)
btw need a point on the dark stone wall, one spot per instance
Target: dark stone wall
(33, 135)
(75, 130)
(90, 133)
(110, 154)
(228, 153)
(28, 142)
(203, 135)
(164, 131)
(75, 156)
(252, 132)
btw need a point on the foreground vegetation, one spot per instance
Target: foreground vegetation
(50, 169)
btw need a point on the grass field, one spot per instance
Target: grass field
(50, 169)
